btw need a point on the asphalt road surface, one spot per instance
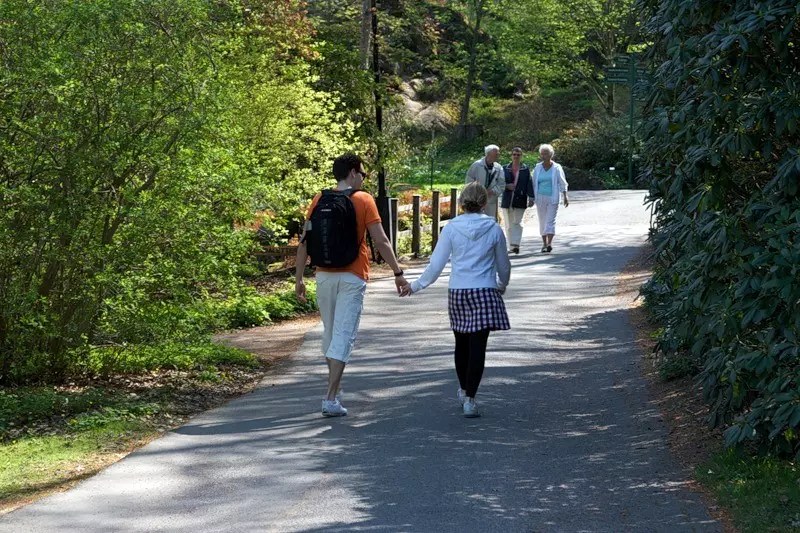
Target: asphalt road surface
(568, 440)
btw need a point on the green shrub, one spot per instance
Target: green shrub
(164, 131)
(111, 415)
(27, 405)
(251, 308)
(676, 366)
(179, 356)
(723, 166)
(594, 147)
(248, 310)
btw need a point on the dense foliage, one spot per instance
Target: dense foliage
(724, 173)
(139, 141)
(136, 137)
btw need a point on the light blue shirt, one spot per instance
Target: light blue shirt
(545, 184)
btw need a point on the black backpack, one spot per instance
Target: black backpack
(333, 240)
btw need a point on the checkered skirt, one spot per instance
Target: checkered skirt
(476, 309)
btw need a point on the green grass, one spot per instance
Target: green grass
(52, 435)
(450, 166)
(37, 464)
(762, 493)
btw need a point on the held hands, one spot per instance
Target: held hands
(405, 290)
(400, 282)
(530, 202)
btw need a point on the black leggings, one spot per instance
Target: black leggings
(470, 357)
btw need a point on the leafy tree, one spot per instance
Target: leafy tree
(475, 12)
(137, 136)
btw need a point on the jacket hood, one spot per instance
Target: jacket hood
(473, 225)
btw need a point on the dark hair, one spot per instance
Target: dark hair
(343, 164)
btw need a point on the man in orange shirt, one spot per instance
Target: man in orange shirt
(340, 291)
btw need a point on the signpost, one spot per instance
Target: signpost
(383, 199)
(625, 71)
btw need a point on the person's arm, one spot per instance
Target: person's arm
(472, 173)
(499, 184)
(439, 258)
(502, 262)
(384, 247)
(562, 184)
(529, 191)
(299, 269)
(508, 174)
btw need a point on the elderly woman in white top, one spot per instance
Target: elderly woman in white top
(476, 248)
(549, 184)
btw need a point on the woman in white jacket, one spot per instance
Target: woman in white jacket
(549, 183)
(476, 248)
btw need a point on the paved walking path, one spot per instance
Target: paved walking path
(568, 440)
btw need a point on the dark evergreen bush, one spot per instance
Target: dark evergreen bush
(723, 167)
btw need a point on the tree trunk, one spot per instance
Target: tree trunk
(473, 53)
(366, 30)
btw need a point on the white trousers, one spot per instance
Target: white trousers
(512, 220)
(340, 297)
(491, 206)
(546, 211)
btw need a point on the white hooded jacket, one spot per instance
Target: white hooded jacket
(476, 247)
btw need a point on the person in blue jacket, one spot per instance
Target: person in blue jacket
(517, 197)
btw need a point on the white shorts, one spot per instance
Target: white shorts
(340, 297)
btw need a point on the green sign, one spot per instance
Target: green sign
(625, 71)
(623, 75)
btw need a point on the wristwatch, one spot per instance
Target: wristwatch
(398, 274)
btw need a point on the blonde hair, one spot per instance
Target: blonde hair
(473, 197)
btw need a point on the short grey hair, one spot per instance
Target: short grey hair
(547, 148)
(490, 148)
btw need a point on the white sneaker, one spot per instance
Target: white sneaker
(333, 408)
(471, 408)
(461, 395)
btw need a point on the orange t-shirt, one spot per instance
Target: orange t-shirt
(366, 215)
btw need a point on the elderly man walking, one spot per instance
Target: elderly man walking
(488, 172)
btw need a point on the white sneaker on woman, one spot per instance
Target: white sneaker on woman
(471, 408)
(461, 395)
(333, 408)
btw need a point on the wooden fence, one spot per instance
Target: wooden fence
(417, 228)
(281, 253)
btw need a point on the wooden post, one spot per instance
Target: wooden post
(453, 203)
(415, 237)
(393, 214)
(435, 222)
